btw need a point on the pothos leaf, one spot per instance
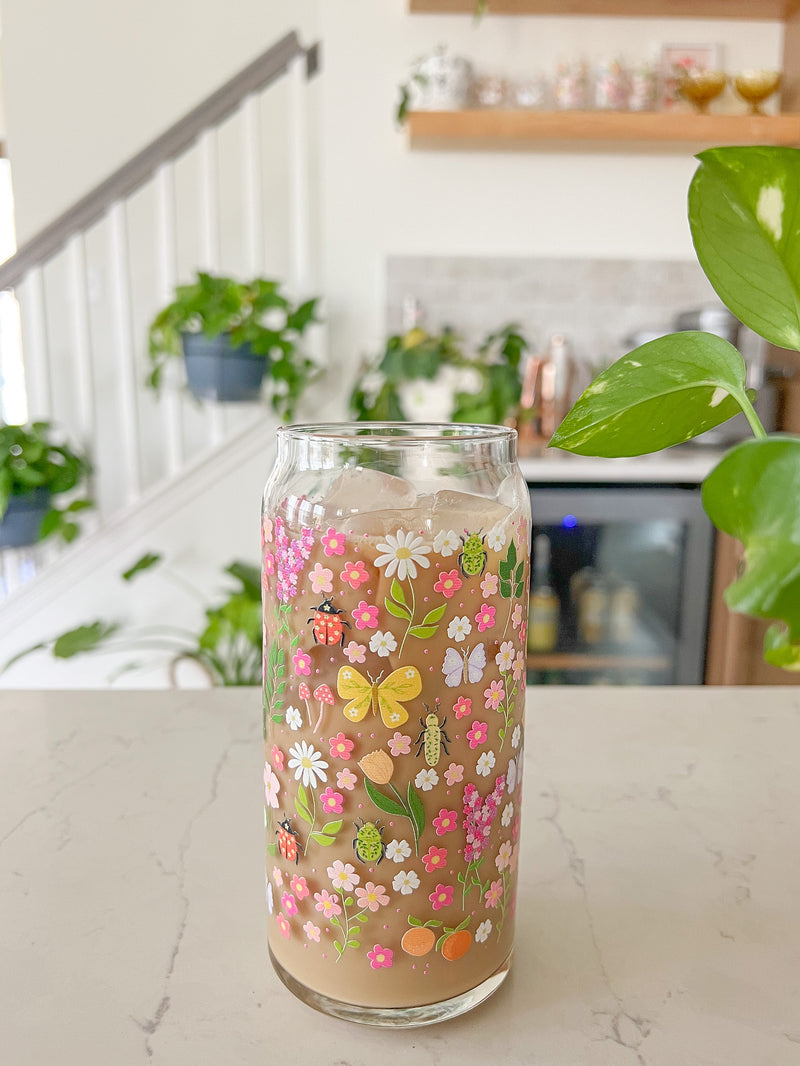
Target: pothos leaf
(384, 803)
(778, 651)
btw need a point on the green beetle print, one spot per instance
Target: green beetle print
(368, 842)
(472, 559)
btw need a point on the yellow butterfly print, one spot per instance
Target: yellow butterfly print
(384, 696)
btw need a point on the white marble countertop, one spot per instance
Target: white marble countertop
(658, 912)
(687, 464)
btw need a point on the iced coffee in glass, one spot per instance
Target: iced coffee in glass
(395, 576)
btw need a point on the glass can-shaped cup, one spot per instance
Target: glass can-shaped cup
(395, 577)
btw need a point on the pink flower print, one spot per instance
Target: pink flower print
(302, 663)
(284, 926)
(494, 694)
(380, 957)
(326, 903)
(462, 707)
(485, 617)
(346, 779)
(523, 631)
(478, 734)
(354, 574)
(331, 801)
(489, 585)
(311, 931)
(516, 616)
(356, 653)
(435, 859)
(454, 773)
(277, 876)
(289, 904)
(333, 543)
(446, 822)
(341, 747)
(272, 786)
(266, 532)
(299, 887)
(400, 744)
(442, 896)
(321, 579)
(494, 893)
(515, 829)
(448, 584)
(277, 757)
(519, 666)
(366, 615)
(372, 896)
(269, 563)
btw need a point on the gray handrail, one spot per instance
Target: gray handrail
(133, 174)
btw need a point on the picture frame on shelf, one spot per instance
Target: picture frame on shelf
(678, 58)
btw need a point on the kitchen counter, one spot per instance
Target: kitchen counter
(658, 918)
(687, 465)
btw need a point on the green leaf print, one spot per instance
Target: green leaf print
(434, 616)
(397, 593)
(397, 611)
(417, 810)
(384, 803)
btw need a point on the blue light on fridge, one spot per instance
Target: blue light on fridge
(569, 521)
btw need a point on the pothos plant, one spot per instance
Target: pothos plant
(744, 213)
(419, 356)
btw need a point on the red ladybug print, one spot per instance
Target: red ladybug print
(328, 625)
(288, 841)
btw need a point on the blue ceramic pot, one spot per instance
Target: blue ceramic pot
(22, 521)
(216, 371)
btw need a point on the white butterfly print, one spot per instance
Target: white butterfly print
(464, 665)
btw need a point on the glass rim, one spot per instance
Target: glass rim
(406, 433)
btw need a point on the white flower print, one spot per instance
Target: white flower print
(270, 898)
(383, 643)
(272, 787)
(293, 718)
(503, 860)
(397, 850)
(496, 538)
(426, 779)
(485, 763)
(505, 657)
(307, 764)
(446, 543)
(515, 736)
(483, 930)
(405, 881)
(508, 814)
(343, 876)
(459, 629)
(403, 553)
(511, 775)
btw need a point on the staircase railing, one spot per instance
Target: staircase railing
(225, 189)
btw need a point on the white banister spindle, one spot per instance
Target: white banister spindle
(209, 235)
(299, 179)
(166, 274)
(81, 339)
(124, 352)
(252, 202)
(36, 356)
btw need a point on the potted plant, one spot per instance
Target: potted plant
(744, 206)
(34, 469)
(430, 377)
(230, 333)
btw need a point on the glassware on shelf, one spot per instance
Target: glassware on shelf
(531, 93)
(490, 90)
(643, 87)
(611, 86)
(571, 85)
(702, 86)
(756, 86)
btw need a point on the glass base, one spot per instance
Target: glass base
(396, 1017)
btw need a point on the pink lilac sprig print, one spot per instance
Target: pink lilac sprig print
(479, 816)
(290, 557)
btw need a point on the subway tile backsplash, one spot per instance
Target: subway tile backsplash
(595, 303)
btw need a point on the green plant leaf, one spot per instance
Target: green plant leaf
(397, 593)
(744, 206)
(663, 393)
(779, 651)
(338, 947)
(505, 590)
(277, 717)
(414, 921)
(301, 805)
(362, 917)
(511, 557)
(349, 901)
(322, 839)
(384, 803)
(417, 809)
(83, 638)
(423, 632)
(434, 616)
(396, 610)
(332, 828)
(145, 562)
(353, 943)
(754, 495)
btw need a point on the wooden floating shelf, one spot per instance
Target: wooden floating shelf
(640, 130)
(723, 9)
(590, 661)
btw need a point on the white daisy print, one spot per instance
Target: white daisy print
(511, 776)
(446, 543)
(459, 629)
(293, 718)
(483, 930)
(505, 657)
(507, 815)
(503, 860)
(496, 538)
(426, 779)
(397, 850)
(383, 643)
(515, 736)
(405, 881)
(402, 554)
(485, 763)
(307, 764)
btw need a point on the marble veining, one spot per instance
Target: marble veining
(657, 919)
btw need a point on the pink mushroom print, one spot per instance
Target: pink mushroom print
(324, 695)
(305, 695)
